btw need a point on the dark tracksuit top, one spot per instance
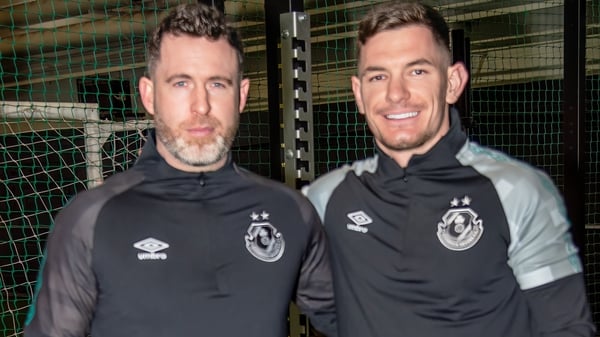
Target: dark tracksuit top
(159, 252)
(463, 242)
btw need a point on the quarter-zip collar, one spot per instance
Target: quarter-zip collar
(176, 183)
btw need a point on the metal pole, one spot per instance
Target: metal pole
(574, 118)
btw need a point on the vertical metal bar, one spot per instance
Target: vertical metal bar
(94, 138)
(298, 325)
(273, 8)
(297, 99)
(296, 103)
(574, 118)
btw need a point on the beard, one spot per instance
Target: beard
(192, 151)
(407, 144)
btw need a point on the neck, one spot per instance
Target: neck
(182, 166)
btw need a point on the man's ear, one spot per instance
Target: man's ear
(458, 76)
(146, 89)
(244, 88)
(357, 93)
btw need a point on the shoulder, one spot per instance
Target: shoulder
(283, 194)
(533, 205)
(506, 172)
(525, 191)
(112, 186)
(333, 178)
(83, 208)
(258, 181)
(320, 190)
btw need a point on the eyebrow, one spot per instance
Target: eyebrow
(421, 61)
(221, 78)
(417, 62)
(183, 76)
(177, 77)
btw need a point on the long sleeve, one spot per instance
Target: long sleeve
(66, 288)
(560, 308)
(315, 289)
(545, 261)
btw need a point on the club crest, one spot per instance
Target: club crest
(460, 228)
(263, 240)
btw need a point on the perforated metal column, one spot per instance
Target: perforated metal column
(297, 120)
(296, 99)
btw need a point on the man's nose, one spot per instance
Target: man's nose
(200, 101)
(397, 90)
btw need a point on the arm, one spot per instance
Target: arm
(545, 261)
(314, 295)
(66, 289)
(562, 308)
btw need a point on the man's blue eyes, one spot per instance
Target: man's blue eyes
(210, 85)
(375, 78)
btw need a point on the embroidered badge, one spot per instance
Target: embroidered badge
(460, 228)
(263, 240)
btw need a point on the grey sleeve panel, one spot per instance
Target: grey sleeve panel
(541, 248)
(66, 290)
(321, 189)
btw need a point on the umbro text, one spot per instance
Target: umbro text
(152, 256)
(357, 228)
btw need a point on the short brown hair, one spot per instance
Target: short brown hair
(396, 14)
(197, 20)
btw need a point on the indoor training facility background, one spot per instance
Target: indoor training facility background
(70, 114)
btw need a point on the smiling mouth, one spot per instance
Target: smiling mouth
(402, 115)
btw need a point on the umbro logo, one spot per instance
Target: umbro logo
(360, 221)
(152, 249)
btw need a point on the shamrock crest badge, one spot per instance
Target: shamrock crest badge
(263, 240)
(460, 228)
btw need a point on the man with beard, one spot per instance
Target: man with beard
(436, 235)
(186, 243)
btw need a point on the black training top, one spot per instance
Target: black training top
(159, 252)
(464, 241)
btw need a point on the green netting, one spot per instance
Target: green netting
(253, 143)
(341, 135)
(70, 114)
